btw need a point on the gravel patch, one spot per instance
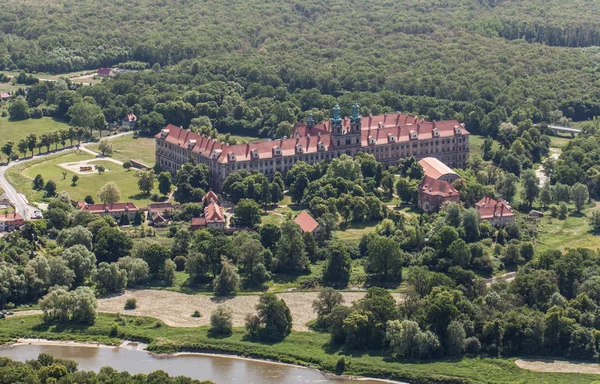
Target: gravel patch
(175, 309)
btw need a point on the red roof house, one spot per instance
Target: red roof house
(497, 212)
(129, 121)
(5, 95)
(105, 72)
(433, 193)
(198, 223)
(115, 210)
(436, 169)
(306, 222)
(210, 197)
(214, 216)
(10, 221)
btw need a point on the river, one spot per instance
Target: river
(219, 369)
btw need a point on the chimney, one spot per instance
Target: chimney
(434, 124)
(418, 129)
(384, 117)
(397, 118)
(406, 120)
(422, 120)
(416, 119)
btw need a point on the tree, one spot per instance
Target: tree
(336, 272)
(50, 188)
(164, 183)
(110, 278)
(247, 213)
(595, 220)
(356, 329)
(384, 258)
(32, 141)
(83, 114)
(78, 306)
(136, 268)
(111, 244)
(23, 146)
(169, 272)
(470, 224)
(402, 337)
(221, 322)
(7, 149)
(290, 250)
(327, 299)
(274, 318)
(228, 280)
(345, 167)
(276, 192)
(580, 195)
(546, 194)
(109, 193)
(127, 165)
(156, 255)
(18, 110)
(455, 338)
(195, 265)
(38, 182)
(405, 189)
(80, 260)
(106, 147)
(460, 253)
(74, 180)
(145, 181)
(269, 235)
(59, 273)
(531, 187)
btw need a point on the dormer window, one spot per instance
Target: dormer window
(299, 148)
(321, 146)
(371, 140)
(216, 153)
(232, 156)
(413, 134)
(255, 154)
(164, 133)
(391, 138)
(436, 132)
(191, 144)
(277, 150)
(457, 130)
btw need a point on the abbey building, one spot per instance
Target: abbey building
(389, 137)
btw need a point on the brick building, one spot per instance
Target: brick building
(497, 212)
(115, 210)
(434, 193)
(388, 137)
(11, 221)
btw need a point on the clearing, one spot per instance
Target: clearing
(22, 175)
(16, 130)
(573, 232)
(175, 309)
(558, 366)
(127, 147)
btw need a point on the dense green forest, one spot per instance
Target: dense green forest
(478, 60)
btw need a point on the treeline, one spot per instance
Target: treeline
(48, 369)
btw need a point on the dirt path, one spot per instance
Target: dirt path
(175, 309)
(558, 366)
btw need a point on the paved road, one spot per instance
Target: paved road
(22, 206)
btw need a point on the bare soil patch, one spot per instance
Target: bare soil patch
(175, 309)
(558, 366)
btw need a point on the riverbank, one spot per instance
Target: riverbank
(299, 348)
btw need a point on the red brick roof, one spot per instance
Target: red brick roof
(112, 208)
(11, 217)
(379, 128)
(130, 118)
(213, 213)
(435, 187)
(306, 222)
(489, 208)
(434, 168)
(104, 71)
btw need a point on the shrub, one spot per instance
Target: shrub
(156, 324)
(130, 304)
(221, 320)
(196, 314)
(472, 345)
(180, 262)
(114, 330)
(340, 366)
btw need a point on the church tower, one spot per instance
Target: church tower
(350, 138)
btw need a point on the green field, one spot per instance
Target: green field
(21, 177)
(127, 148)
(303, 348)
(16, 130)
(355, 231)
(573, 232)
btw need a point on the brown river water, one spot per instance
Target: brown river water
(219, 369)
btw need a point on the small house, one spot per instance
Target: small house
(496, 212)
(11, 221)
(129, 121)
(433, 193)
(306, 222)
(104, 72)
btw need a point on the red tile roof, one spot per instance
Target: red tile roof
(210, 197)
(434, 168)
(306, 222)
(198, 222)
(162, 207)
(158, 218)
(130, 118)
(489, 208)
(380, 128)
(213, 213)
(11, 217)
(436, 187)
(104, 71)
(5, 95)
(116, 207)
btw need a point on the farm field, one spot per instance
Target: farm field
(16, 130)
(127, 147)
(22, 175)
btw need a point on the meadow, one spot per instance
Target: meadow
(16, 130)
(22, 175)
(127, 147)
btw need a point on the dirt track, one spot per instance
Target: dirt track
(558, 366)
(175, 309)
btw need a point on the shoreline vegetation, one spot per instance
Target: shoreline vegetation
(311, 350)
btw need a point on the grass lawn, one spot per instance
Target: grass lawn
(16, 130)
(127, 148)
(270, 218)
(304, 348)
(353, 232)
(573, 232)
(559, 141)
(22, 175)
(475, 143)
